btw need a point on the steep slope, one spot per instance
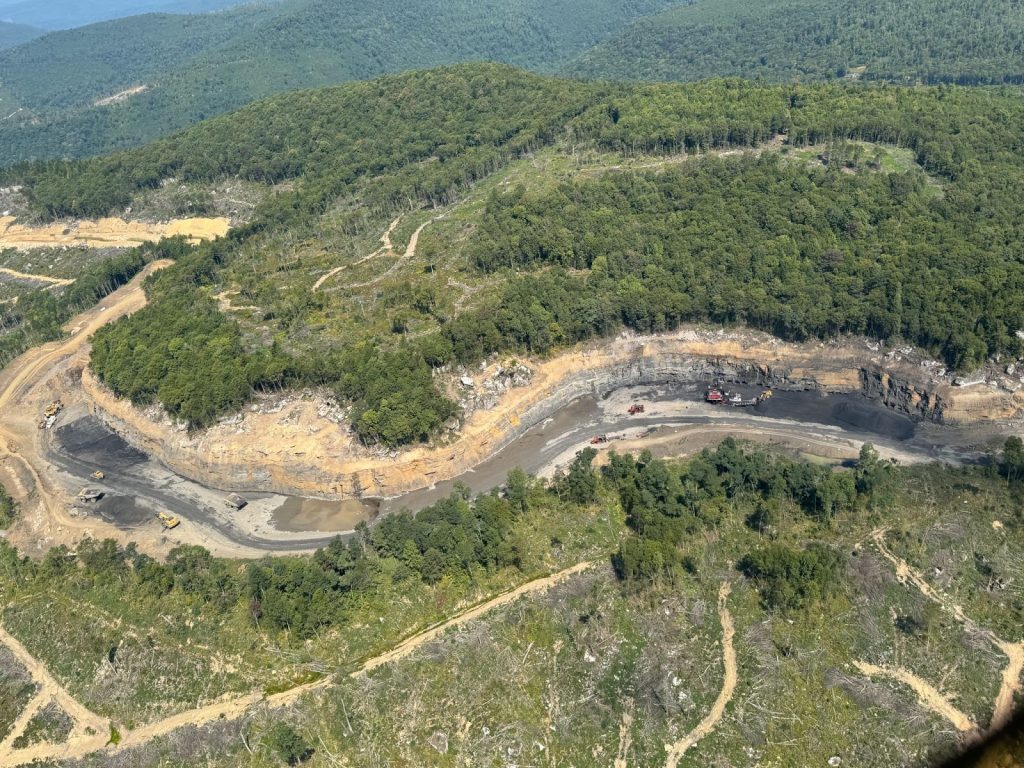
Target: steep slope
(16, 34)
(929, 40)
(870, 210)
(195, 67)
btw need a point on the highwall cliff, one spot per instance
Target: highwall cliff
(297, 445)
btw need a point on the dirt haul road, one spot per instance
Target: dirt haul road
(30, 469)
(32, 380)
(1010, 680)
(708, 724)
(37, 278)
(235, 707)
(49, 690)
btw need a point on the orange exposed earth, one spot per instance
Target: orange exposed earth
(107, 233)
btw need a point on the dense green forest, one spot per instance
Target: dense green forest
(200, 66)
(796, 249)
(932, 41)
(16, 34)
(195, 67)
(760, 241)
(665, 508)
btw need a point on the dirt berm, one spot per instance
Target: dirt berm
(292, 449)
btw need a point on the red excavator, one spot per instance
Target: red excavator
(714, 396)
(636, 408)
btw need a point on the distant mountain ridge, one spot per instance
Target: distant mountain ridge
(199, 66)
(173, 71)
(66, 14)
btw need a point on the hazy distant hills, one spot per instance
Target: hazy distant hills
(961, 41)
(16, 34)
(65, 14)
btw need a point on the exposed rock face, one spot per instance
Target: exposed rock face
(297, 450)
(902, 395)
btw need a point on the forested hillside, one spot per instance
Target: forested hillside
(933, 41)
(195, 67)
(16, 34)
(876, 210)
(199, 66)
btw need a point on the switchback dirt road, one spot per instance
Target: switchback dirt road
(31, 380)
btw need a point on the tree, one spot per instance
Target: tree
(639, 559)
(873, 477)
(517, 484)
(434, 565)
(1012, 464)
(790, 579)
(8, 508)
(288, 744)
(581, 482)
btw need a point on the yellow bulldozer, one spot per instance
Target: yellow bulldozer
(53, 408)
(168, 521)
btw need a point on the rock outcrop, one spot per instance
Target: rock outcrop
(292, 448)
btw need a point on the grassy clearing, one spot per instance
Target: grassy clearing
(863, 157)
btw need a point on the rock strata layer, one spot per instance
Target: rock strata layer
(292, 449)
